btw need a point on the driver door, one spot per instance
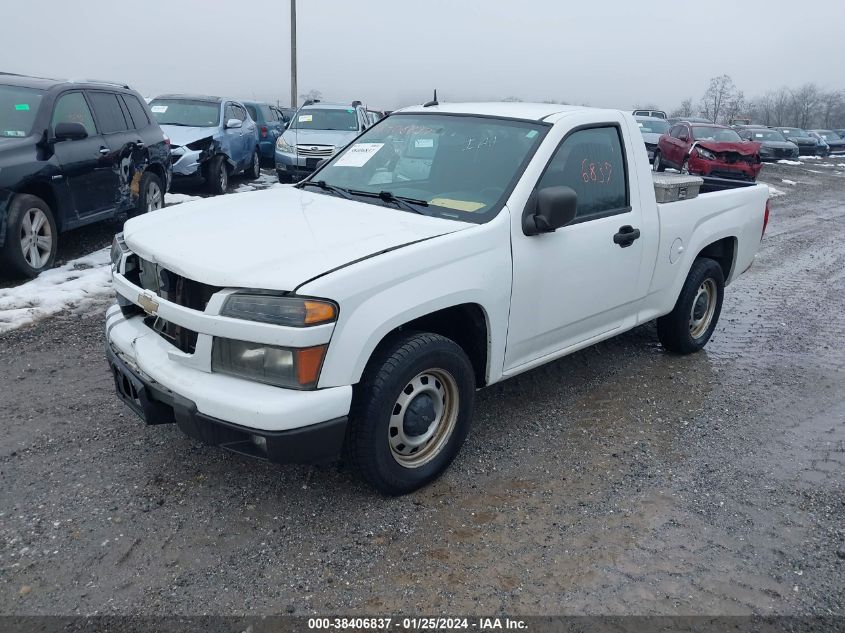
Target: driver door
(578, 283)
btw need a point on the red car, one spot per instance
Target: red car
(706, 149)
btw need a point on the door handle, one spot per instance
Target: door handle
(104, 150)
(626, 236)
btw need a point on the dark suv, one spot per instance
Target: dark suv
(72, 153)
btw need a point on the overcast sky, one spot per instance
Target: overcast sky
(614, 53)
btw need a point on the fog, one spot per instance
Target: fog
(614, 53)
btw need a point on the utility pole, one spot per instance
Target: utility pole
(293, 95)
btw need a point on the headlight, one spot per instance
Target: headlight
(279, 310)
(118, 250)
(705, 154)
(282, 145)
(278, 366)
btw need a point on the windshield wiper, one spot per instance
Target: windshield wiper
(388, 196)
(322, 184)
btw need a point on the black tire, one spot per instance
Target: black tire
(658, 162)
(676, 330)
(376, 405)
(17, 260)
(147, 200)
(253, 172)
(217, 177)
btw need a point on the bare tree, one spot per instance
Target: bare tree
(805, 100)
(512, 99)
(831, 103)
(722, 95)
(781, 106)
(683, 110)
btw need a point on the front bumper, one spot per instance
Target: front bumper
(289, 163)
(188, 163)
(155, 404)
(720, 169)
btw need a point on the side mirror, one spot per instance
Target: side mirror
(554, 207)
(234, 123)
(70, 131)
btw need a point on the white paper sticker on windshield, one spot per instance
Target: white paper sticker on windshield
(424, 142)
(358, 155)
(306, 118)
(159, 109)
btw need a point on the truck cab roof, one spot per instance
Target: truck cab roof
(507, 110)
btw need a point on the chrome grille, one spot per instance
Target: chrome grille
(315, 150)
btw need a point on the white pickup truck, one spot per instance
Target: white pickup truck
(449, 247)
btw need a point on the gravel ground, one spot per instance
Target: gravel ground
(619, 480)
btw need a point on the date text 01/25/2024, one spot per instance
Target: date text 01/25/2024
(417, 624)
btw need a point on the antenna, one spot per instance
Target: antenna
(433, 102)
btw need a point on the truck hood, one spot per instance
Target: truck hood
(743, 149)
(182, 135)
(337, 138)
(275, 239)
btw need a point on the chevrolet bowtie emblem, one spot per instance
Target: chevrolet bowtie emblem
(148, 303)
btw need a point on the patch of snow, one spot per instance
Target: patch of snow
(788, 182)
(178, 198)
(826, 165)
(244, 189)
(774, 192)
(810, 157)
(840, 164)
(77, 284)
(790, 162)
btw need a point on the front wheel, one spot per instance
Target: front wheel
(31, 237)
(658, 163)
(217, 178)
(688, 327)
(411, 413)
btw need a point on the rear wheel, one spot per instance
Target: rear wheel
(658, 162)
(411, 412)
(30, 237)
(254, 170)
(691, 323)
(151, 194)
(217, 178)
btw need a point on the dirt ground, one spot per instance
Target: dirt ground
(619, 480)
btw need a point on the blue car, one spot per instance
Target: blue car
(269, 123)
(211, 139)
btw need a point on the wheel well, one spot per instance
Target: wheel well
(45, 192)
(722, 251)
(466, 324)
(158, 170)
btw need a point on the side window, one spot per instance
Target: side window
(591, 162)
(136, 111)
(240, 113)
(253, 112)
(268, 114)
(675, 131)
(230, 113)
(71, 107)
(108, 111)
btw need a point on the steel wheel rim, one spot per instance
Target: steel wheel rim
(656, 161)
(703, 308)
(36, 238)
(154, 197)
(413, 449)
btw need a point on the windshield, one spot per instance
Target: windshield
(712, 133)
(326, 119)
(188, 112)
(830, 136)
(18, 107)
(459, 167)
(793, 131)
(650, 126)
(767, 135)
